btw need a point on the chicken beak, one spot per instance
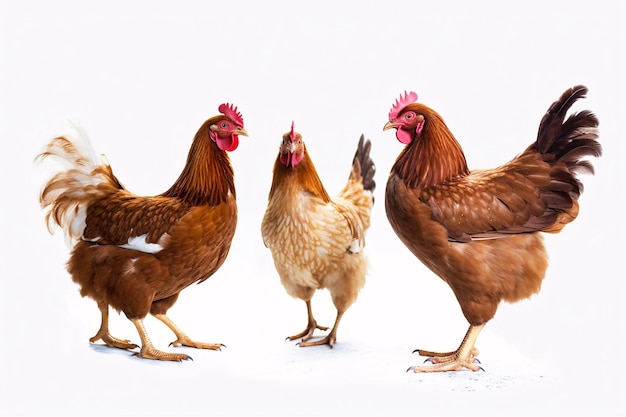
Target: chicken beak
(389, 125)
(241, 132)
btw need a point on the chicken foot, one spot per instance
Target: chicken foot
(330, 339)
(104, 335)
(463, 357)
(307, 333)
(148, 351)
(182, 339)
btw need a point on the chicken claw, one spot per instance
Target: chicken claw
(328, 340)
(112, 341)
(437, 357)
(307, 333)
(463, 357)
(451, 361)
(150, 352)
(103, 332)
(454, 365)
(186, 341)
(182, 339)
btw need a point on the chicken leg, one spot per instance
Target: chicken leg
(148, 351)
(463, 357)
(330, 339)
(104, 335)
(183, 339)
(307, 333)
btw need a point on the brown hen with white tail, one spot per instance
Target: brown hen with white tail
(134, 253)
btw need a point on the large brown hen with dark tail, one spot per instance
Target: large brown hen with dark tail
(134, 253)
(480, 230)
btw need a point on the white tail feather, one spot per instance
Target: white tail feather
(81, 171)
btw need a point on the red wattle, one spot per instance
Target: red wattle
(296, 158)
(403, 136)
(228, 144)
(285, 158)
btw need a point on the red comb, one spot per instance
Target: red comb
(292, 134)
(401, 103)
(231, 111)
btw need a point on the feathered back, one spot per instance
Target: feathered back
(84, 174)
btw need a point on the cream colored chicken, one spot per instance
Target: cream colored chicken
(317, 242)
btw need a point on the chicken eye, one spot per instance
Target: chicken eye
(409, 115)
(223, 125)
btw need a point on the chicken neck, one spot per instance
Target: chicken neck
(432, 157)
(208, 177)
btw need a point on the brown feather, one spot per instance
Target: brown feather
(114, 218)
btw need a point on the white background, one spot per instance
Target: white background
(143, 76)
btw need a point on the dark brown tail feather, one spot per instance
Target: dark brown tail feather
(566, 143)
(367, 167)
